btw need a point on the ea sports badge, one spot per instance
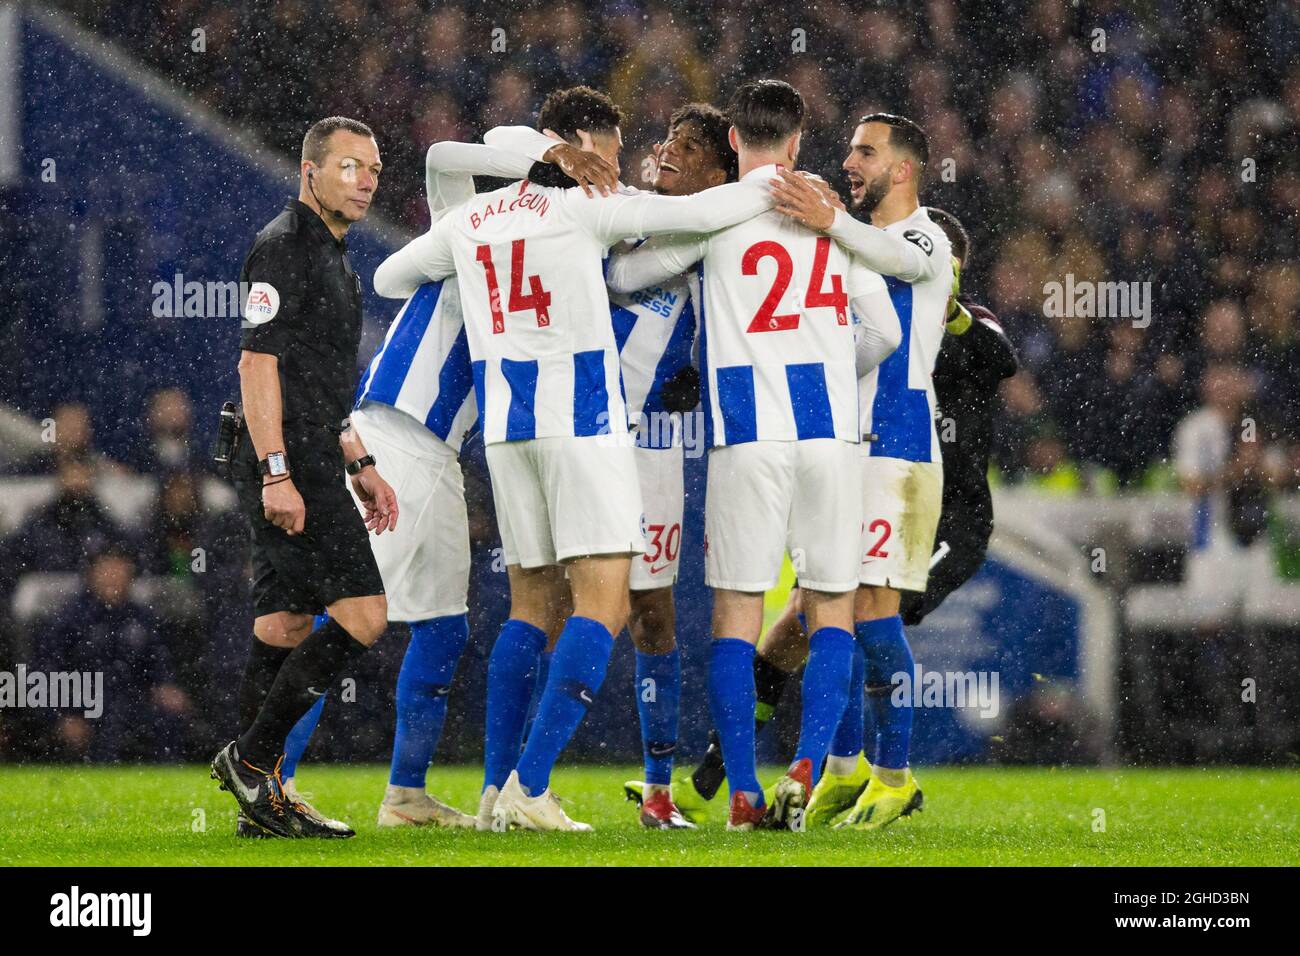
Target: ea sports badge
(262, 304)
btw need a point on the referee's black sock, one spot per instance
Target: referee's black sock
(259, 674)
(708, 776)
(312, 668)
(769, 682)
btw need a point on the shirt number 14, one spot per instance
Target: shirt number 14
(537, 299)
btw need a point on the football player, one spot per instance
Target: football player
(902, 471)
(974, 358)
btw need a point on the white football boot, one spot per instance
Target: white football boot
(516, 808)
(412, 807)
(486, 802)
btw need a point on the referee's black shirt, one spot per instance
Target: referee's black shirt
(314, 328)
(304, 307)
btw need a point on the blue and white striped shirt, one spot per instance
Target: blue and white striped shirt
(897, 398)
(423, 366)
(654, 329)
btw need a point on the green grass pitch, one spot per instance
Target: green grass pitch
(144, 816)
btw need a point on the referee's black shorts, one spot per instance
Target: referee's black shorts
(331, 559)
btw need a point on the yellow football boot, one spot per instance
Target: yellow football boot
(835, 794)
(881, 805)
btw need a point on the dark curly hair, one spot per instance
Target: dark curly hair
(715, 126)
(578, 107)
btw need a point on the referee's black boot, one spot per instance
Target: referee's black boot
(259, 793)
(246, 829)
(320, 825)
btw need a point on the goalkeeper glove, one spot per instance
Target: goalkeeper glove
(959, 319)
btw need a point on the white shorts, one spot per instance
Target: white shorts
(425, 561)
(901, 501)
(1217, 577)
(662, 493)
(565, 497)
(767, 497)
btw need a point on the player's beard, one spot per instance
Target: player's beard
(872, 194)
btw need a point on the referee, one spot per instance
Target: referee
(297, 372)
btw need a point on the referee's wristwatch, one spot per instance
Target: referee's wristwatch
(355, 467)
(273, 465)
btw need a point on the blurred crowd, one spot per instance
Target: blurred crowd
(145, 589)
(1111, 142)
(135, 566)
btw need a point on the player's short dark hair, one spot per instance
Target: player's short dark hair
(765, 112)
(904, 134)
(578, 107)
(953, 229)
(714, 124)
(313, 144)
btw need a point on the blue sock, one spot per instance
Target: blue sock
(512, 671)
(543, 672)
(887, 654)
(848, 739)
(295, 744)
(657, 703)
(731, 705)
(825, 693)
(577, 670)
(422, 686)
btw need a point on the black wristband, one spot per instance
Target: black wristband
(354, 467)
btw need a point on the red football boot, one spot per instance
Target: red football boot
(743, 816)
(658, 812)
